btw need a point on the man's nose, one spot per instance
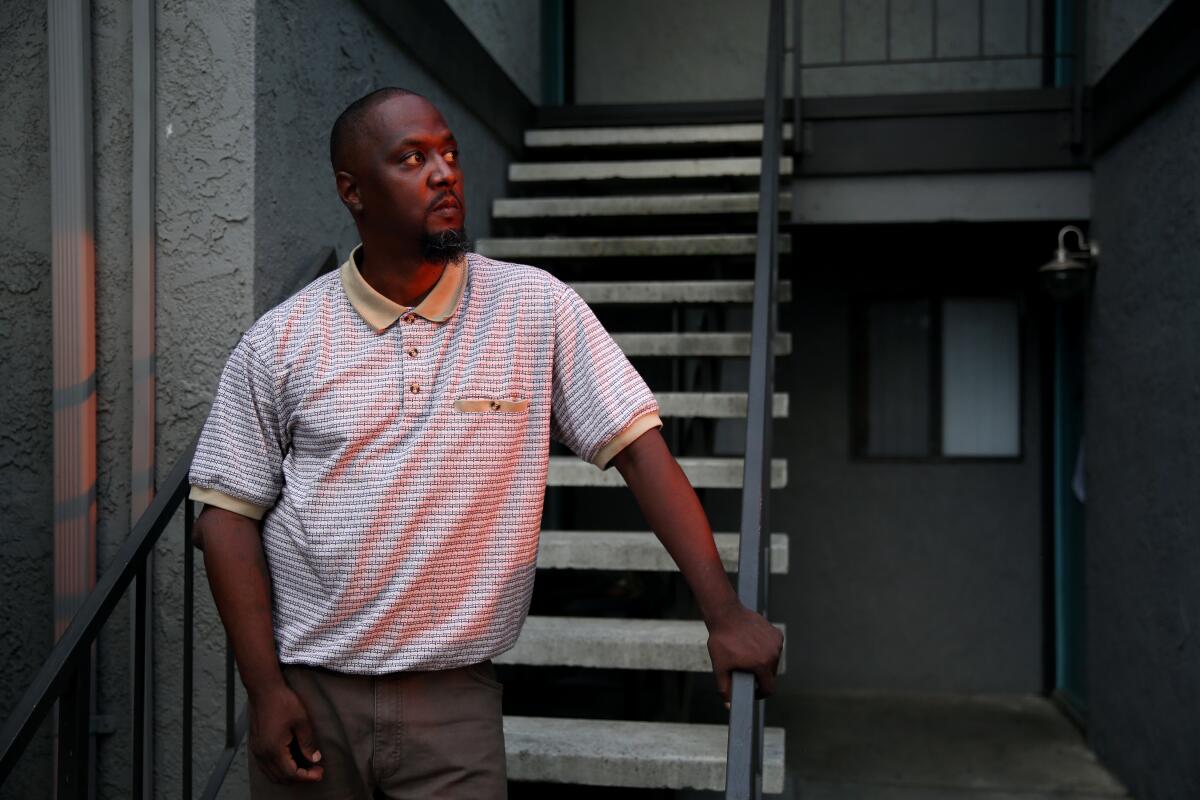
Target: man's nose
(442, 171)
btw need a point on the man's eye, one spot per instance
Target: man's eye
(411, 156)
(452, 155)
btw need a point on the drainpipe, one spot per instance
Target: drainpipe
(73, 265)
(142, 237)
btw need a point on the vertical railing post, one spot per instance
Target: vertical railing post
(1049, 43)
(797, 104)
(141, 592)
(189, 613)
(1079, 73)
(230, 700)
(74, 724)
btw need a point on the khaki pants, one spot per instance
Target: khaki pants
(418, 734)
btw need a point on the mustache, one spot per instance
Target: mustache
(445, 196)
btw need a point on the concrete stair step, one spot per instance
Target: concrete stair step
(638, 551)
(641, 169)
(627, 753)
(712, 405)
(711, 244)
(694, 344)
(632, 205)
(679, 645)
(641, 135)
(703, 473)
(594, 292)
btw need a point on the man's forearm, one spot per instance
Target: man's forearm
(241, 586)
(670, 505)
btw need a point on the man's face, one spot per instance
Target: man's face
(409, 179)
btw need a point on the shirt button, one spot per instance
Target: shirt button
(495, 406)
(409, 318)
(412, 352)
(414, 388)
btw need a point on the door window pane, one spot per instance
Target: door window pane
(980, 378)
(898, 394)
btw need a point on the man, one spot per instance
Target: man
(373, 469)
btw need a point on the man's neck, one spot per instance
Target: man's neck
(402, 277)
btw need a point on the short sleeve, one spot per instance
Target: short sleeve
(600, 402)
(238, 464)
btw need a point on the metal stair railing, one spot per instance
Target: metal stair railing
(65, 675)
(744, 760)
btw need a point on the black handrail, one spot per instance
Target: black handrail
(744, 759)
(65, 675)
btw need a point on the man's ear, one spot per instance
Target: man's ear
(347, 189)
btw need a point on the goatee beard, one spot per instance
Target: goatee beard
(444, 245)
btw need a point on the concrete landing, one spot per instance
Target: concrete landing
(939, 747)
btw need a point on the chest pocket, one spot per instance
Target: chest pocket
(485, 405)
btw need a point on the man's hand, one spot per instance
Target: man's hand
(742, 639)
(241, 586)
(276, 716)
(738, 638)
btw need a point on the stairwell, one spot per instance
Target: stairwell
(610, 683)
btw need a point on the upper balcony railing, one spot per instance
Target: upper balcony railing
(923, 46)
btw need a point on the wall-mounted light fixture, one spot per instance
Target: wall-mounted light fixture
(1070, 273)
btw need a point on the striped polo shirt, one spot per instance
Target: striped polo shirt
(397, 456)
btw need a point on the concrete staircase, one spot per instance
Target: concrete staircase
(654, 227)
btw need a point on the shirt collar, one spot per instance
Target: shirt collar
(380, 312)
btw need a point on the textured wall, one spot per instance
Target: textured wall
(1143, 437)
(27, 380)
(205, 267)
(306, 75)
(903, 576)
(511, 30)
(112, 152)
(1113, 25)
(628, 51)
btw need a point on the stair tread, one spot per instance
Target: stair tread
(614, 643)
(649, 134)
(600, 246)
(698, 291)
(630, 753)
(637, 550)
(713, 405)
(694, 344)
(702, 472)
(622, 205)
(641, 169)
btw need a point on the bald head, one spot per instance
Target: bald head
(352, 129)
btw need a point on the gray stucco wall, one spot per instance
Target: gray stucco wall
(1113, 25)
(305, 75)
(246, 95)
(511, 31)
(205, 282)
(112, 165)
(26, 433)
(903, 576)
(1143, 437)
(28, 379)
